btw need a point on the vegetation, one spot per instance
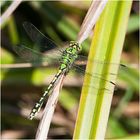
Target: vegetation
(22, 85)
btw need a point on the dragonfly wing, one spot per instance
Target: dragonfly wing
(95, 86)
(81, 70)
(82, 60)
(26, 53)
(33, 56)
(80, 65)
(38, 37)
(55, 53)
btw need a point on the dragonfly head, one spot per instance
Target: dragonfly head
(76, 46)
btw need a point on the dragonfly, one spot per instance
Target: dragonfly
(69, 55)
(67, 58)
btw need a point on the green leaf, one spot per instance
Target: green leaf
(106, 46)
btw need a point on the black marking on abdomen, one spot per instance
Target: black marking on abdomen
(38, 105)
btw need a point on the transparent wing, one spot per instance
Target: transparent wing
(80, 71)
(34, 56)
(80, 65)
(82, 61)
(38, 37)
(95, 76)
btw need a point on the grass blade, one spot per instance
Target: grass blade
(106, 45)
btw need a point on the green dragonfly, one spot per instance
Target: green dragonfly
(67, 58)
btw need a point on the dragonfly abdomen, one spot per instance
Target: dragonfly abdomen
(38, 105)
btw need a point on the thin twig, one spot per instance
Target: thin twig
(44, 125)
(9, 11)
(23, 65)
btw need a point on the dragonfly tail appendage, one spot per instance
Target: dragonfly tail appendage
(39, 104)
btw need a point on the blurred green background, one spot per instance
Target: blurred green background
(21, 86)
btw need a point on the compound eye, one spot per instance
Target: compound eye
(79, 47)
(74, 47)
(71, 43)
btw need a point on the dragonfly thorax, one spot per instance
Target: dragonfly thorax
(69, 55)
